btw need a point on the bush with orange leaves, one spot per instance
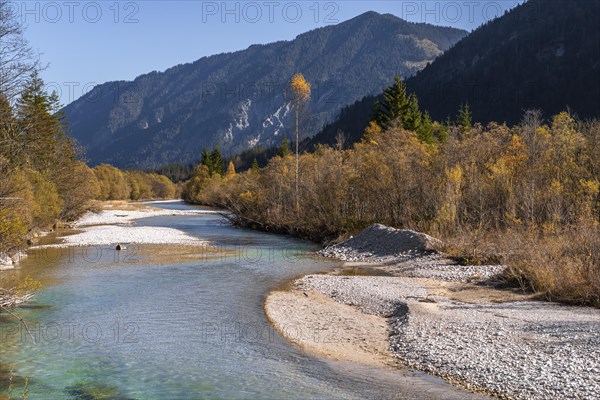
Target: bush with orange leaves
(527, 196)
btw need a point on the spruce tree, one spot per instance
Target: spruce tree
(46, 147)
(205, 158)
(380, 117)
(394, 105)
(216, 162)
(41, 130)
(48, 153)
(465, 117)
(425, 131)
(411, 119)
(284, 149)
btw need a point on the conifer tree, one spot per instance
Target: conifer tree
(46, 146)
(465, 117)
(216, 162)
(425, 131)
(255, 167)
(411, 119)
(394, 105)
(213, 161)
(205, 158)
(42, 136)
(440, 132)
(284, 149)
(49, 155)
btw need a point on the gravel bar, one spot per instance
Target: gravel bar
(407, 253)
(518, 350)
(514, 349)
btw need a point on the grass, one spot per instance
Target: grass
(560, 265)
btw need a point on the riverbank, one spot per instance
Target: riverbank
(443, 319)
(323, 326)
(100, 232)
(112, 224)
(200, 326)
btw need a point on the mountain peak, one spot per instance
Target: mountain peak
(368, 15)
(373, 16)
(235, 100)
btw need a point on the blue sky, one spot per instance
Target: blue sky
(91, 42)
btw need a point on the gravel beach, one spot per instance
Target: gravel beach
(114, 226)
(440, 322)
(521, 350)
(127, 216)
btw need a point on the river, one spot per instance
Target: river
(108, 327)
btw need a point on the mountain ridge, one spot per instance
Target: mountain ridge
(236, 100)
(540, 59)
(565, 81)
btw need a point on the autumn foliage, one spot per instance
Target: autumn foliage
(114, 184)
(43, 179)
(527, 196)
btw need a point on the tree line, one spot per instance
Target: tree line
(526, 195)
(114, 184)
(43, 177)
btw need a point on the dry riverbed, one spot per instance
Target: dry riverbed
(426, 313)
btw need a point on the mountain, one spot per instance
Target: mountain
(237, 101)
(543, 54)
(351, 122)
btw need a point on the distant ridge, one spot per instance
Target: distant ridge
(235, 100)
(544, 54)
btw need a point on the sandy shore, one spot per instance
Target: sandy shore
(321, 325)
(428, 316)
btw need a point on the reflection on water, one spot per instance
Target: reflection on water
(117, 330)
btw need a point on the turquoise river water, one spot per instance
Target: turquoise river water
(110, 328)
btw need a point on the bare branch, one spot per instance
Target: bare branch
(17, 59)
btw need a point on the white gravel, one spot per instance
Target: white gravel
(407, 253)
(379, 243)
(113, 235)
(382, 296)
(437, 266)
(110, 217)
(521, 350)
(524, 350)
(112, 227)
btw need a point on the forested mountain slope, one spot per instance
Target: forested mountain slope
(236, 100)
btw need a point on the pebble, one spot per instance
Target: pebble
(407, 253)
(517, 350)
